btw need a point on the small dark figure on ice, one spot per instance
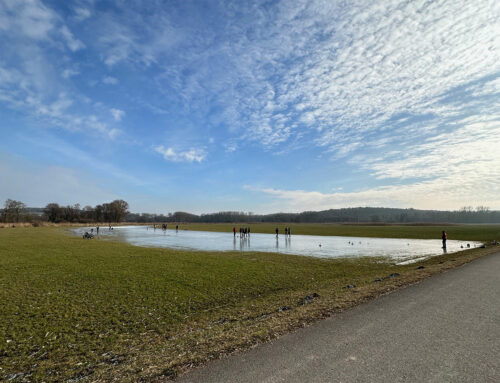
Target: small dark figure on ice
(444, 237)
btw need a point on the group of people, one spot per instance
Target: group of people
(288, 232)
(244, 232)
(96, 230)
(163, 227)
(90, 235)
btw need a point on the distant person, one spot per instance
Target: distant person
(444, 238)
(286, 231)
(176, 227)
(289, 232)
(234, 231)
(249, 232)
(277, 232)
(97, 230)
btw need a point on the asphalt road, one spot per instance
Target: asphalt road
(445, 329)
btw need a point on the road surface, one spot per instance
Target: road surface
(445, 329)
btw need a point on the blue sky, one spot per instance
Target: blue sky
(251, 106)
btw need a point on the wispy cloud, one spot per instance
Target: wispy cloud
(444, 172)
(82, 13)
(29, 18)
(338, 72)
(67, 73)
(397, 90)
(73, 43)
(110, 80)
(30, 78)
(231, 147)
(117, 114)
(190, 155)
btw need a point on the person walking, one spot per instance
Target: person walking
(97, 230)
(289, 232)
(444, 237)
(277, 231)
(234, 231)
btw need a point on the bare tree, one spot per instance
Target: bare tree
(13, 211)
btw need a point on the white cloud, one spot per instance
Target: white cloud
(467, 152)
(67, 73)
(82, 14)
(191, 155)
(113, 133)
(441, 173)
(30, 18)
(118, 42)
(30, 76)
(73, 43)
(109, 80)
(231, 147)
(117, 114)
(337, 71)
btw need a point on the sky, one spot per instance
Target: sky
(257, 106)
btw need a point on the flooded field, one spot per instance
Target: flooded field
(401, 250)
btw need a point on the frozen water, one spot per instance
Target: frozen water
(401, 250)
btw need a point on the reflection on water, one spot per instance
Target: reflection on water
(310, 245)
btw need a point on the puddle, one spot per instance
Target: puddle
(400, 250)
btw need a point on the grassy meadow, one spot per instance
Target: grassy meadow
(97, 310)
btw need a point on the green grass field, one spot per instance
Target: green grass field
(101, 310)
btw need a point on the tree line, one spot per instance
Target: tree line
(16, 211)
(117, 211)
(372, 215)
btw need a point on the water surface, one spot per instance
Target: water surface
(401, 250)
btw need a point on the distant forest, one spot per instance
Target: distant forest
(117, 211)
(372, 215)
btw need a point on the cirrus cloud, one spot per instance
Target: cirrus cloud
(190, 155)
